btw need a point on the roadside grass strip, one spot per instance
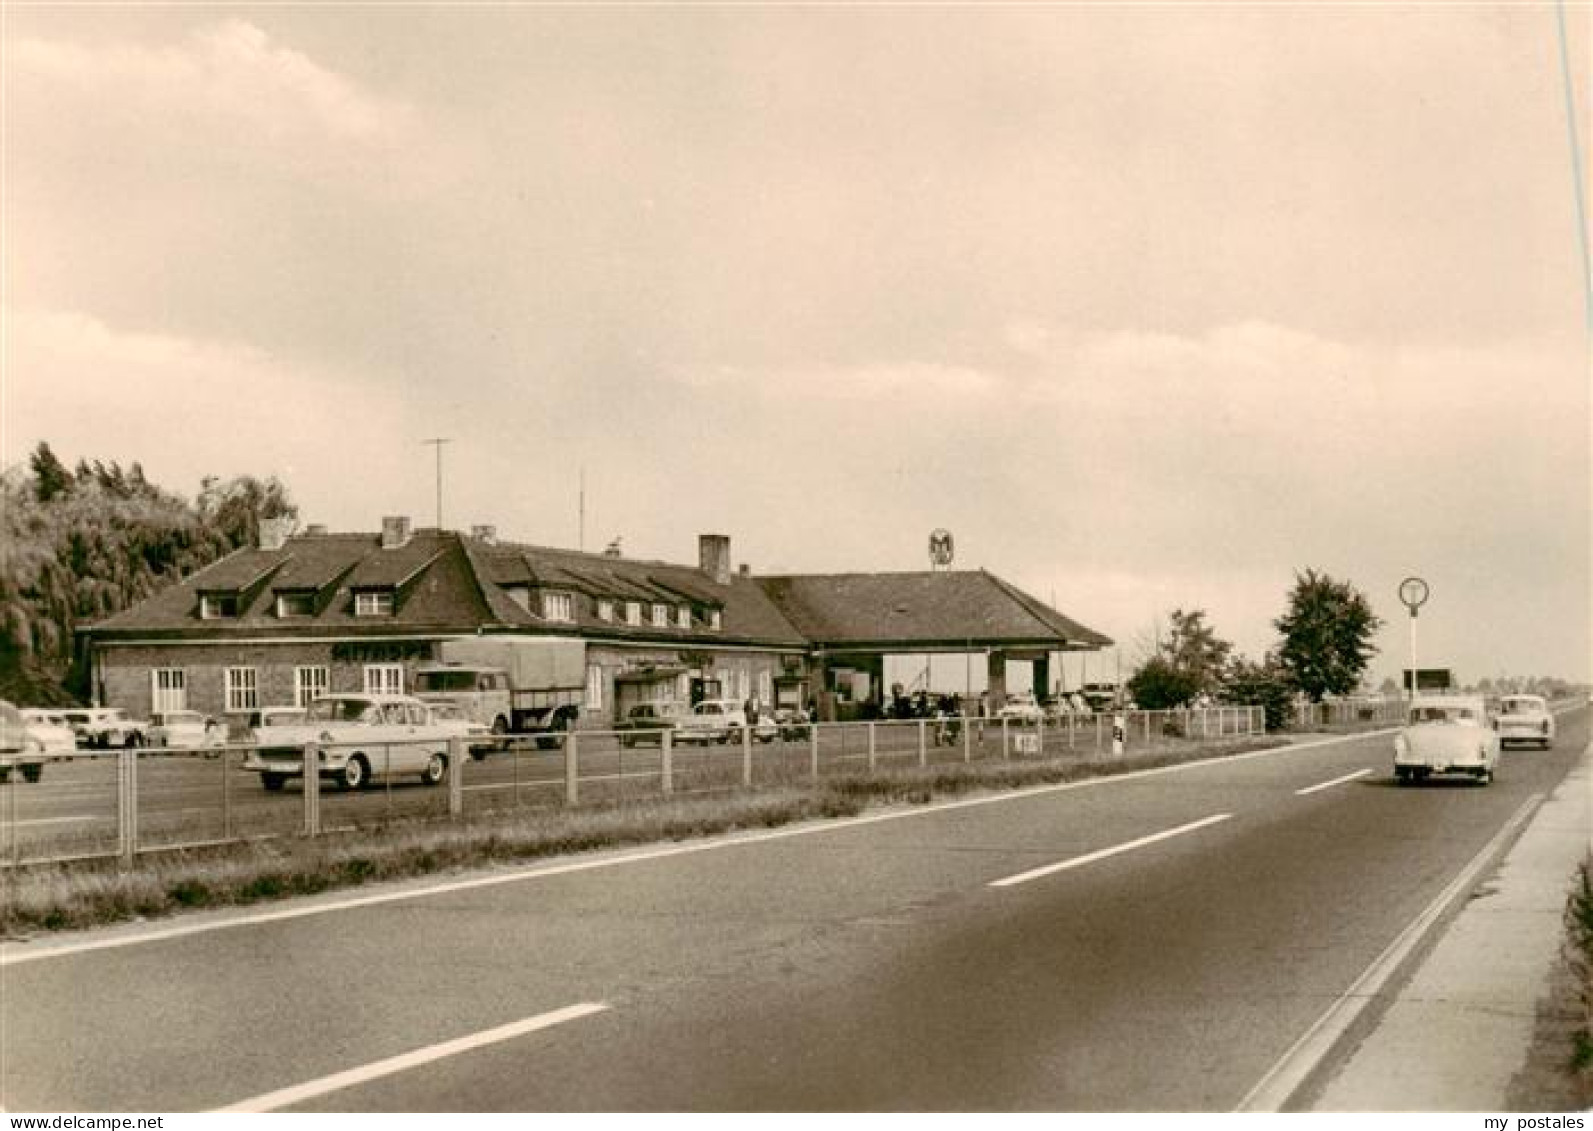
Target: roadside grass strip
(299, 1093)
(1104, 853)
(1334, 782)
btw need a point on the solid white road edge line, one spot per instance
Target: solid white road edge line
(286, 1097)
(1284, 1078)
(1334, 782)
(1102, 854)
(15, 954)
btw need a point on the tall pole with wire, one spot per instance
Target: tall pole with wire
(438, 442)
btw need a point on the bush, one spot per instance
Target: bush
(1265, 685)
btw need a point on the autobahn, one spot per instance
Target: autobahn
(1156, 941)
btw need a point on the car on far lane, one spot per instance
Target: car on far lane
(451, 717)
(184, 730)
(52, 730)
(1446, 734)
(1525, 718)
(105, 728)
(19, 750)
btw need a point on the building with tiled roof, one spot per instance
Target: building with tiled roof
(307, 614)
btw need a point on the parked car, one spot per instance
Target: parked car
(1021, 708)
(1446, 734)
(722, 720)
(360, 737)
(649, 722)
(1525, 718)
(184, 730)
(451, 717)
(54, 733)
(792, 724)
(104, 728)
(19, 750)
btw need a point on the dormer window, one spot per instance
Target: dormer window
(520, 595)
(715, 620)
(218, 606)
(295, 604)
(605, 609)
(661, 616)
(683, 617)
(633, 612)
(373, 603)
(558, 606)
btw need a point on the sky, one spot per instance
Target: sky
(1152, 306)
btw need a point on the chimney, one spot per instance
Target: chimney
(274, 532)
(713, 556)
(487, 534)
(746, 570)
(395, 531)
(612, 550)
(315, 528)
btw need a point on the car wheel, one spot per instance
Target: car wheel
(131, 741)
(273, 782)
(436, 769)
(32, 773)
(356, 773)
(5, 774)
(1401, 777)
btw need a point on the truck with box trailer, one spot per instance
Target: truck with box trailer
(512, 685)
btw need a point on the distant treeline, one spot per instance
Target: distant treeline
(86, 543)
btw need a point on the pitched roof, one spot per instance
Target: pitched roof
(970, 608)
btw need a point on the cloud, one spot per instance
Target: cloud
(230, 75)
(185, 408)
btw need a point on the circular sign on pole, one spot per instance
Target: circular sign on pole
(1413, 592)
(940, 548)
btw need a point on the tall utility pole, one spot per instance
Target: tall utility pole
(580, 506)
(438, 442)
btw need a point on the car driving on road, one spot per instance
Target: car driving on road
(360, 737)
(52, 730)
(649, 722)
(1448, 734)
(1527, 719)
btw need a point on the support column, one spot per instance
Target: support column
(1042, 678)
(996, 677)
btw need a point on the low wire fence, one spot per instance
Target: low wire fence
(123, 803)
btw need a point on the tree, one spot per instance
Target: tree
(1327, 635)
(235, 507)
(50, 476)
(1265, 684)
(1160, 684)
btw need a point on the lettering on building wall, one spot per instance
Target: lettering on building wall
(381, 651)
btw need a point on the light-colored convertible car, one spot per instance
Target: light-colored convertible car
(1446, 734)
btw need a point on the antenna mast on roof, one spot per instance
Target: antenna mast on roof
(580, 536)
(437, 443)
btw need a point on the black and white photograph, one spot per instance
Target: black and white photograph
(874, 558)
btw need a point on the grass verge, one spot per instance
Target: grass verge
(72, 896)
(1579, 948)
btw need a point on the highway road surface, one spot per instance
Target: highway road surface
(1152, 942)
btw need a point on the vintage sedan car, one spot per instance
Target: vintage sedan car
(649, 722)
(722, 720)
(184, 730)
(1021, 708)
(19, 750)
(105, 728)
(1446, 734)
(792, 724)
(52, 730)
(1525, 718)
(451, 717)
(359, 737)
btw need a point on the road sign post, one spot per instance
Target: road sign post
(1413, 593)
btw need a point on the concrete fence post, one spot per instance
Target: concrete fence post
(456, 776)
(666, 759)
(967, 738)
(572, 769)
(813, 750)
(871, 748)
(126, 802)
(746, 756)
(312, 789)
(923, 749)
(1006, 750)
